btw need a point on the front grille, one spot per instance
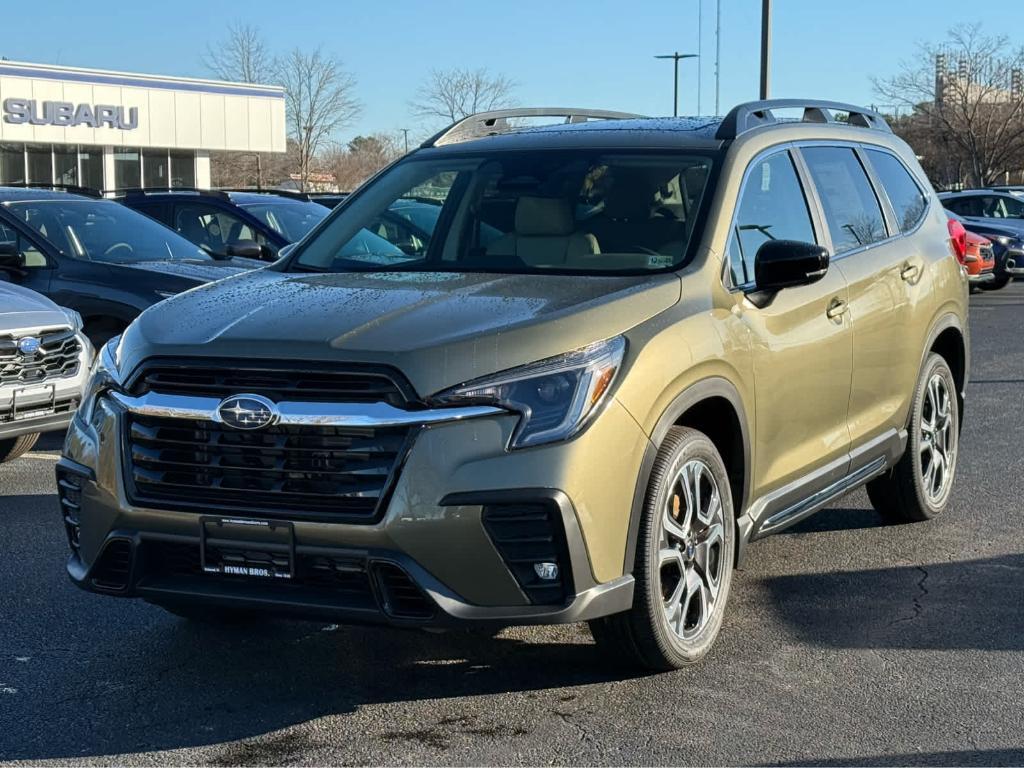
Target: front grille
(340, 474)
(525, 536)
(277, 383)
(58, 357)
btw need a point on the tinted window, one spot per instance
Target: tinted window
(1002, 207)
(908, 201)
(211, 227)
(851, 208)
(519, 212)
(772, 207)
(291, 219)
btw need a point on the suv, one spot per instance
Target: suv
(105, 261)
(253, 224)
(628, 348)
(44, 361)
(1007, 247)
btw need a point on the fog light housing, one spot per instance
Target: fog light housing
(546, 571)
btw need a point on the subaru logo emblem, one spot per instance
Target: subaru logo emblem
(29, 346)
(247, 412)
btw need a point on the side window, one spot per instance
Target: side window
(772, 207)
(851, 208)
(908, 200)
(965, 206)
(34, 258)
(1002, 208)
(206, 225)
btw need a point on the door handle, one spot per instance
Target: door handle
(909, 272)
(836, 308)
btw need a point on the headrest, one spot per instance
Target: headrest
(543, 216)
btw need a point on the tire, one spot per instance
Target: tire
(919, 486)
(15, 447)
(684, 560)
(209, 614)
(995, 285)
(99, 332)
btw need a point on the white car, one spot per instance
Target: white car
(44, 363)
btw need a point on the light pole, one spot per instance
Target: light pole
(676, 57)
(405, 131)
(718, 55)
(766, 47)
(700, 59)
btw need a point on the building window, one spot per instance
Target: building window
(40, 164)
(92, 167)
(65, 166)
(183, 169)
(12, 163)
(126, 169)
(154, 168)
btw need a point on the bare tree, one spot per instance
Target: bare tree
(242, 56)
(361, 158)
(451, 94)
(969, 95)
(320, 101)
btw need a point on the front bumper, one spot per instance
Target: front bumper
(432, 542)
(1015, 263)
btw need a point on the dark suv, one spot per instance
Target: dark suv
(228, 222)
(94, 256)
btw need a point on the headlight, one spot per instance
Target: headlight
(555, 397)
(1001, 239)
(73, 317)
(103, 377)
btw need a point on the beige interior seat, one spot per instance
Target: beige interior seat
(544, 234)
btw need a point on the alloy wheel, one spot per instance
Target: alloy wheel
(938, 439)
(690, 556)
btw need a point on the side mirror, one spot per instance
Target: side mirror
(11, 259)
(246, 249)
(788, 263)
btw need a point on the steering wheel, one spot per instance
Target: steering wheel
(118, 247)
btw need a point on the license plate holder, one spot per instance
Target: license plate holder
(43, 402)
(245, 547)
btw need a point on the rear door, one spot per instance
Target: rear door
(801, 341)
(883, 271)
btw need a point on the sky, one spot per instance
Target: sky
(560, 52)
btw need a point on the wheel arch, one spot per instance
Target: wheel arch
(714, 407)
(950, 340)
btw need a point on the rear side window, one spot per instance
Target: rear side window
(907, 198)
(851, 209)
(772, 207)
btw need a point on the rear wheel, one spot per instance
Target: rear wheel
(919, 486)
(14, 447)
(684, 561)
(999, 282)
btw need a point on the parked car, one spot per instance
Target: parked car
(987, 206)
(44, 362)
(1007, 247)
(328, 199)
(979, 260)
(1012, 189)
(105, 261)
(253, 224)
(687, 335)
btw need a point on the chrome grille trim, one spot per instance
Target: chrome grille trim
(298, 414)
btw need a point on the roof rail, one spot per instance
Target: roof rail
(754, 114)
(492, 123)
(295, 194)
(143, 191)
(86, 191)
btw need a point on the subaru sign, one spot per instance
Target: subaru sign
(65, 113)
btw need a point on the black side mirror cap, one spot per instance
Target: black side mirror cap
(783, 264)
(246, 249)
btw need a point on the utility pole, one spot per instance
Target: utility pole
(718, 56)
(700, 59)
(405, 132)
(676, 57)
(766, 47)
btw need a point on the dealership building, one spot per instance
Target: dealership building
(118, 130)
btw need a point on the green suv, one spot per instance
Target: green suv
(539, 374)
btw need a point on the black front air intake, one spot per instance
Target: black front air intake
(113, 567)
(530, 539)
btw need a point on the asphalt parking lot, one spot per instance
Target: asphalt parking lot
(847, 642)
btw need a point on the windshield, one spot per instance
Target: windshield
(521, 212)
(292, 219)
(102, 230)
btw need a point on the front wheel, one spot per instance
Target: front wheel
(15, 447)
(919, 486)
(684, 561)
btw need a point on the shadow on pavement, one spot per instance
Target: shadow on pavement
(966, 757)
(973, 604)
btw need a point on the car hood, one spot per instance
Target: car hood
(438, 328)
(22, 308)
(198, 270)
(982, 224)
